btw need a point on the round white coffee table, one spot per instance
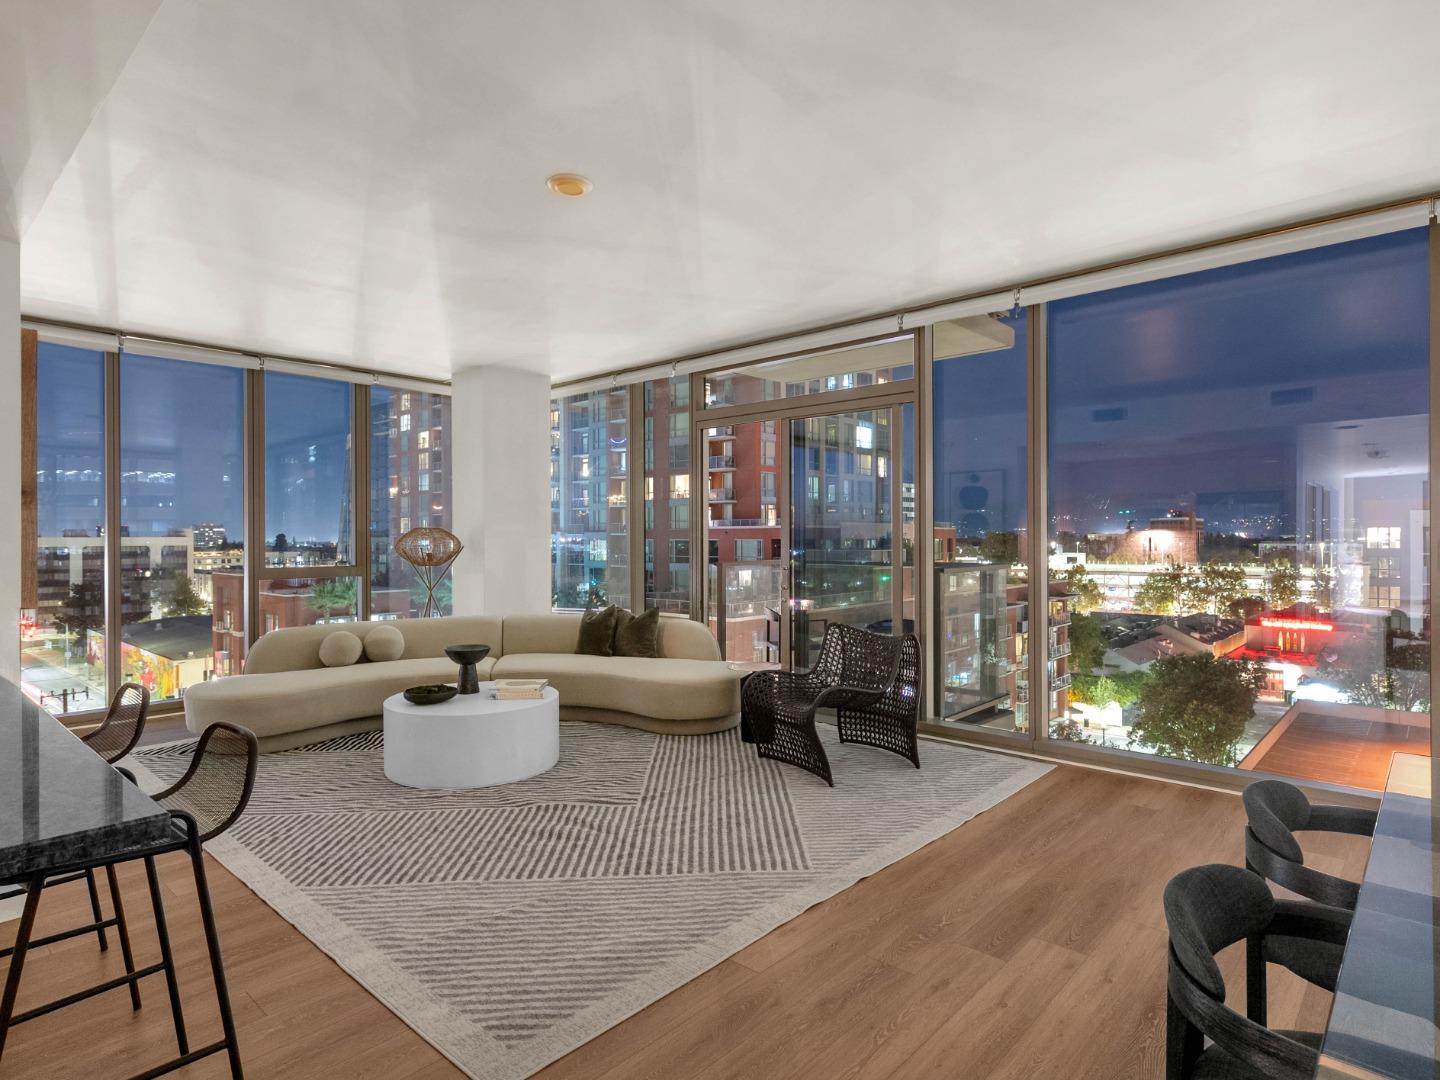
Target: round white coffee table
(472, 740)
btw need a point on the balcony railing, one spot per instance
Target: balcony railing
(722, 495)
(1059, 649)
(721, 461)
(1060, 682)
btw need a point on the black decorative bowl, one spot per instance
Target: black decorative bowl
(432, 694)
(467, 656)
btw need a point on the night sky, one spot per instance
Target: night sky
(1198, 393)
(182, 443)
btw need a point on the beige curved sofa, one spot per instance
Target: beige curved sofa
(289, 698)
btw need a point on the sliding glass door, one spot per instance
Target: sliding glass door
(808, 470)
(844, 563)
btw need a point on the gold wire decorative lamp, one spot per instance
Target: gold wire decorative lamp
(431, 551)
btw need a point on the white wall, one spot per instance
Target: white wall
(500, 475)
(10, 459)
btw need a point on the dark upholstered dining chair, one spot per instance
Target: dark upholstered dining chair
(871, 680)
(1208, 908)
(1276, 811)
(203, 803)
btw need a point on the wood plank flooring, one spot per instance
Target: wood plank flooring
(1027, 943)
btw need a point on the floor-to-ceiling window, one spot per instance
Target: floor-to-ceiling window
(1239, 511)
(62, 639)
(182, 521)
(309, 502)
(159, 446)
(589, 499)
(409, 489)
(667, 494)
(980, 624)
(309, 471)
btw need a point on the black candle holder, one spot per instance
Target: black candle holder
(467, 656)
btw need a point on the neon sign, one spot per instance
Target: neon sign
(1295, 624)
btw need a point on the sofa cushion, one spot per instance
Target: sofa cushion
(680, 638)
(340, 649)
(597, 632)
(553, 633)
(282, 702)
(664, 689)
(638, 635)
(384, 643)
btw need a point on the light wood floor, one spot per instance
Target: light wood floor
(1027, 943)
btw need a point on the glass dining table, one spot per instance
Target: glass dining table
(1383, 1020)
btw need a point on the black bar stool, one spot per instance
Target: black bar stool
(116, 736)
(205, 802)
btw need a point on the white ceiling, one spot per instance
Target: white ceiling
(363, 181)
(59, 63)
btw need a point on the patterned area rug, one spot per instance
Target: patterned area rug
(509, 925)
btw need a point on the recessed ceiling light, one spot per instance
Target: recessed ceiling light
(571, 185)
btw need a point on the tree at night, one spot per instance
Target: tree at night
(1087, 644)
(1195, 707)
(1245, 607)
(1282, 585)
(84, 610)
(185, 600)
(1163, 592)
(1222, 583)
(1002, 548)
(332, 594)
(1085, 592)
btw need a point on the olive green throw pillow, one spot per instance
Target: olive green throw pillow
(623, 618)
(638, 635)
(597, 632)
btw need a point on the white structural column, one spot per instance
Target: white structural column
(500, 476)
(10, 459)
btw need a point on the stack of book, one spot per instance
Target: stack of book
(519, 689)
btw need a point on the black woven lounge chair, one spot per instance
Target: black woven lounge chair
(871, 680)
(1206, 909)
